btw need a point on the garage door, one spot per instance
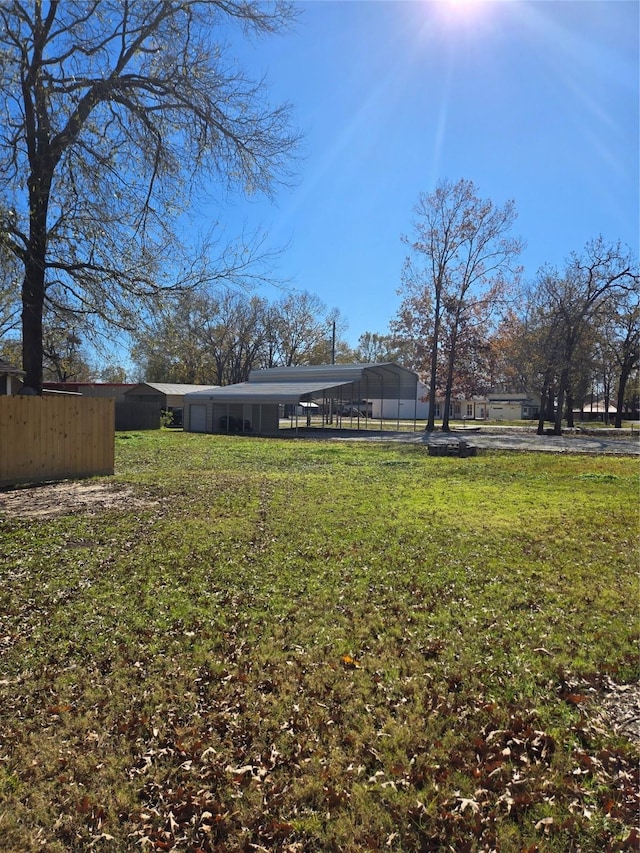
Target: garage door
(198, 418)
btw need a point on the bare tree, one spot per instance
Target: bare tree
(169, 347)
(373, 347)
(114, 112)
(465, 259)
(620, 346)
(235, 335)
(301, 330)
(417, 322)
(9, 289)
(63, 356)
(571, 304)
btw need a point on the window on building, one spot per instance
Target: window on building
(469, 410)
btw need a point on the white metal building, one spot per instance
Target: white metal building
(254, 406)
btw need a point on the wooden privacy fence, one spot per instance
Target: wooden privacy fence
(55, 438)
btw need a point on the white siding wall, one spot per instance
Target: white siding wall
(408, 409)
(207, 416)
(505, 411)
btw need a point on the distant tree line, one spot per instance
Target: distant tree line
(576, 335)
(219, 339)
(468, 324)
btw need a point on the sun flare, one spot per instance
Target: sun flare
(462, 9)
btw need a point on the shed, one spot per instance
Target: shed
(10, 378)
(112, 390)
(167, 396)
(254, 406)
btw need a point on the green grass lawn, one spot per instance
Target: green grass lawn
(316, 646)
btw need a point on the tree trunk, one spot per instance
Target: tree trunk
(431, 416)
(549, 409)
(445, 414)
(606, 400)
(33, 285)
(32, 350)
(622, 384)
(543, 406)
(562, 388)
(450, 367)
(569, 408)
(447, 401)
(433, 376)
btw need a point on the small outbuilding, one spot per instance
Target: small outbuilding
(10, 378)
(255, 406)
(168, 396)
(595, 411)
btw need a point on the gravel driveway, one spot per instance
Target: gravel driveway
(498, 438)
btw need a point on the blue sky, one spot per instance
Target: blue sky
(534, 101)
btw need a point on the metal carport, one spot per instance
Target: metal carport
(255, 404)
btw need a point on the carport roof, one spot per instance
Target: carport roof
(263, 392)
(293, 384)
(332, 374)
(169, 388)
(7, 369)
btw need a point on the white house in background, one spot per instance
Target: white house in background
(464, 408)
(474, 408)
(595, 411)
(513, 407)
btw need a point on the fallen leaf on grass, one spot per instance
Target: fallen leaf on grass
(58, 709)
(575, 698)
(350, 663)
(103, 836)
(468, 804)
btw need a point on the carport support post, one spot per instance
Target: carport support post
(366, 402)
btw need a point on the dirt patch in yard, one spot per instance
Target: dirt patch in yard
(68, 498)
(620, 707)
(610, 706)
